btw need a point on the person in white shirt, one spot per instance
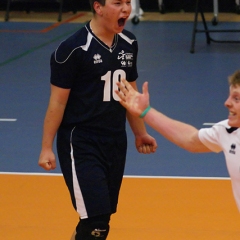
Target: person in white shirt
(223, 136)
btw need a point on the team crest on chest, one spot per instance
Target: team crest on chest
(125, 58)
(97, 58)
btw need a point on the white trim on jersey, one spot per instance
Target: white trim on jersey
(84, 47)
(55, 55)
(127, 38)
(89, 39)
(110, 49)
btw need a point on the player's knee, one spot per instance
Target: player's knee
(94, 231)
(95, 228)
(99, 230)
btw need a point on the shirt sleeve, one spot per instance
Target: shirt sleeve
(210, 138)
(63, 67)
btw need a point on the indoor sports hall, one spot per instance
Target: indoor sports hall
(169, 195)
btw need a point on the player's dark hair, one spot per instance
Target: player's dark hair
(234, 79)
(102, 2)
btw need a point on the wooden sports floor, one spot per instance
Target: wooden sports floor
(37, 206)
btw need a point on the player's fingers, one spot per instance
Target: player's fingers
(146, 148)
(153, 148)
(120, 94)
(140, 149)
(145, 88)
(53, 165)
(126, 84)
(45, 165)
(121, 85)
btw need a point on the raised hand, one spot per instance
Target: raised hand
(132, 100)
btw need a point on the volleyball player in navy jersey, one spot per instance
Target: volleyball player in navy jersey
(85, 113)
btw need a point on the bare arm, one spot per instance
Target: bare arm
(53, 118)
(136, 123)
(144, 142)
(179, 133)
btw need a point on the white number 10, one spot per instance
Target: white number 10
(112, 80)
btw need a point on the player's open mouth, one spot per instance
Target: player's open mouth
(121, 22)
(232, 114)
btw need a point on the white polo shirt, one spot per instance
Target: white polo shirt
(221, 137)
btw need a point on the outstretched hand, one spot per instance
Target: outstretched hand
(132, 100)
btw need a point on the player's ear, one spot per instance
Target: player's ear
(98, 8)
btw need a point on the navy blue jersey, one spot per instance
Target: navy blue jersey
(84, 64)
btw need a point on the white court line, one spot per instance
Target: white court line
(33, 174)
(208, 124)
(178, 177)
(125, 176)
(8, 119)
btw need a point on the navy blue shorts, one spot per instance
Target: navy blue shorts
(93, 167)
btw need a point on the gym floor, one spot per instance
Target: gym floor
(171, 194)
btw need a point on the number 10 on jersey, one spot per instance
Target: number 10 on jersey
(110, 85)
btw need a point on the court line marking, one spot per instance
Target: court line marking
(8, 119)
(208, 124)
(125, 176)
(36, 48)
(47, 29)
(178, 177)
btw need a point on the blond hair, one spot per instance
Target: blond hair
(234, 79)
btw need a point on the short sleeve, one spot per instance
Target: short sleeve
(210, 138)
(63, 68)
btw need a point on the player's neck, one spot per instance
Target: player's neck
(101, 32)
